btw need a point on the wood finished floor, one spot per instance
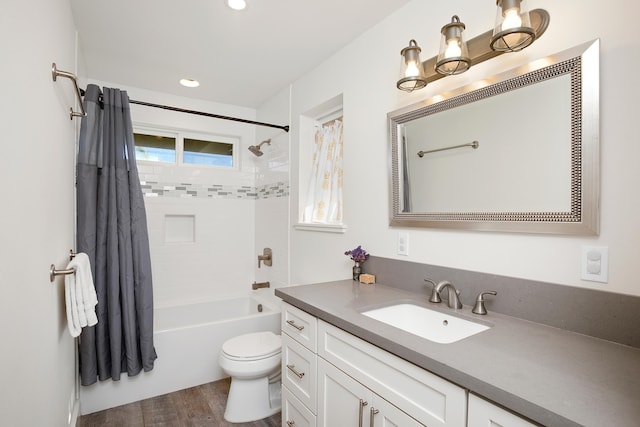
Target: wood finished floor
(193, 407)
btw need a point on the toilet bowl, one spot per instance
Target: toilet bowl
(253, 363)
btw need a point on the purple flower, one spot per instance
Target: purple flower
(358, 254)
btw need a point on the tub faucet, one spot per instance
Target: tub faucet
(256, 285)
(453, 298)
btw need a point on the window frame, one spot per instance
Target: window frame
(180, 135)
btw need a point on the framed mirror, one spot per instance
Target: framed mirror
(516, 152)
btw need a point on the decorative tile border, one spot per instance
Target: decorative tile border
(215, 191)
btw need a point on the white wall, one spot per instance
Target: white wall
(37, 215)
(365, 72)
(221, 258)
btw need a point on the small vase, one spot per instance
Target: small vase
(357, 270)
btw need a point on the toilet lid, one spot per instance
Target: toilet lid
(253, 345)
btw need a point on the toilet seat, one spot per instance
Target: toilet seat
(253, 346)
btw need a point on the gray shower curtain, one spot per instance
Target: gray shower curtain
(112, 231)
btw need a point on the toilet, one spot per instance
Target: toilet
(253, 363)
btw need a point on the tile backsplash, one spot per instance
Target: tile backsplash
(167, 189)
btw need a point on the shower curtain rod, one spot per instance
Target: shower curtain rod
(55, 73)
(216, 116)
(201, 113)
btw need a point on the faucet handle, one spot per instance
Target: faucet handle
(435, 295)
(479, 308)
(266, 257)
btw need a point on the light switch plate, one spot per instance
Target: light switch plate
(403, 243)
(595, 263)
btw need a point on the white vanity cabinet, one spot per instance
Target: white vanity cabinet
(483, 414)
(332, 378)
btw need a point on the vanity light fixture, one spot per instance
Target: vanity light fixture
(515, 29)
(454, 56)
(189, 82)
(512, 31)
(412, 72)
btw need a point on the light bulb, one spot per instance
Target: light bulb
(412, 69)
(453, 49)
(511, 19)
(189, 82)
(237, 4)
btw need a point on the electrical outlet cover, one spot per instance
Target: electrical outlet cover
(403, 243)
(595, 263)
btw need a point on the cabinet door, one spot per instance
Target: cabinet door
(384, 414)
(342, 401)
(485, 414)
(433, 401)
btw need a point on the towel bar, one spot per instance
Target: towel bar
(53, 272)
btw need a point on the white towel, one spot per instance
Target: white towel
(80, 295)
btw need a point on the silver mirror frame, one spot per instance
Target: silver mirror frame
(582, 63)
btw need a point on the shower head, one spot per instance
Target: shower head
(255, 149)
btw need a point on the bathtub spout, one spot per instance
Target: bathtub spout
(256, 285)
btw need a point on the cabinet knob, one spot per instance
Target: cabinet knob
(290, 423)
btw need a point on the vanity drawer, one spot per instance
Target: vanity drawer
(299, 371)
(294, 413)
(428, 398)
(483, 413)
(300, 325)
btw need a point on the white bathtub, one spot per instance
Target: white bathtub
(188, 340)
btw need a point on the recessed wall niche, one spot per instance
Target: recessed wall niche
(179, 228)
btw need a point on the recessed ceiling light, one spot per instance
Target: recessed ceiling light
(237, 4)
(189, 82)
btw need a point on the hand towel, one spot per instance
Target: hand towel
(80, 294)
(73, 323)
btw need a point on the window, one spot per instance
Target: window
(201, 152)
(321, 134)
(324, 195)
(156, 145)
(155, 148)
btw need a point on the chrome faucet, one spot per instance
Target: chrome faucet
(453, 298)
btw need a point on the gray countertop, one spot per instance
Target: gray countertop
(551, 376)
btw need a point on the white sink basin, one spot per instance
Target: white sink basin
(423, 322)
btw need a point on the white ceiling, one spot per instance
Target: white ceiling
(240, 57)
